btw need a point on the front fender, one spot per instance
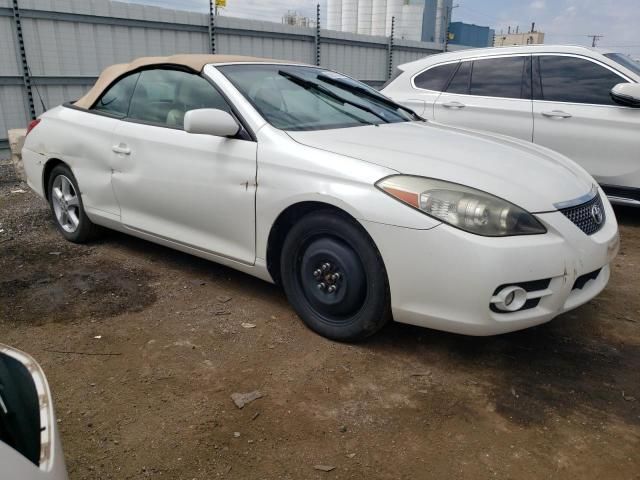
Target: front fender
(290, 173)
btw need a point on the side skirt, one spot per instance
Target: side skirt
(259, 269)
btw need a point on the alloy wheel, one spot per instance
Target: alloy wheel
(66, 204)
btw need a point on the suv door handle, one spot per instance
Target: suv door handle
(121, 149)
(557, 114)
(454, 105)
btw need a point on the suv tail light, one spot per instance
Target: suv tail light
(33, 124)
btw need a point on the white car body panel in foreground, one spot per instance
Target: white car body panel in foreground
(439, 276)
(603, 139)
(14, 465)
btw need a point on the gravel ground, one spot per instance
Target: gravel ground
(144, 346)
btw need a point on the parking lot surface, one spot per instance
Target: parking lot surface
(144, 346)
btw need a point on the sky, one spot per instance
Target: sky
(563, 21)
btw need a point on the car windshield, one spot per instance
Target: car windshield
(308, 98)
(626, 61)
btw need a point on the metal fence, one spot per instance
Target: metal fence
(51, 51)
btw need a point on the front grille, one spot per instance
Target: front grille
(586, 216)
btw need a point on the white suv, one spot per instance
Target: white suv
(567, 98)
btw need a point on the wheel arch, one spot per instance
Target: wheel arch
(46, 173)
(285, 221)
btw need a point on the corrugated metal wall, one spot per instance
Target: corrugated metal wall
(68, 43)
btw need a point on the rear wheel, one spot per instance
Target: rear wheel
(67, 208)
(334, 277)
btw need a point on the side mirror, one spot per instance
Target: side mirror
(627, 94)
(211, 121)
(29, 438)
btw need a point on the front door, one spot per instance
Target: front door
(575, 115)
(491, 94)
(198, 190)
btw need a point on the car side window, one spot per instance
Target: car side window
(163, 97)
(573, 80)
(435, 78)
(116, 99)
(498, 77)
(460, 81)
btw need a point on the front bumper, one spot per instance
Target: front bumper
(445, 278)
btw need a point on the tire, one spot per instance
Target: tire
(334, 277)
(66, 205)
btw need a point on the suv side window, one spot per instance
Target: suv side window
(460, 81)
(573, 80)
(115, 100)
(436, 78)
(162, 97)
(499, 77)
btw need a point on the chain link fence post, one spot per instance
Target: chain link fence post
(212, 27)
(26, 76)
(390, 52)
(318, 34)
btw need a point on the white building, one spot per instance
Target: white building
(373, 17)
(293, 18)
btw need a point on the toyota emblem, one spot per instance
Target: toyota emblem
(596, 214)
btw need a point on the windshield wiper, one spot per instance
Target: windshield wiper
(308, 84)
(364, 91)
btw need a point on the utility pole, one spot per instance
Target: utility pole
(594, 39)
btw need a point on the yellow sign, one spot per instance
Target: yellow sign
(221, 3)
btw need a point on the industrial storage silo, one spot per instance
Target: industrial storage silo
(394, 9)
(411, 23)
(379, 17)
(334, 15)
(350, 16)
(364, 16)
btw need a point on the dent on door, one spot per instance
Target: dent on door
(90, 158)
(193, 189)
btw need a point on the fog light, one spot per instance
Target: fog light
(510, 299)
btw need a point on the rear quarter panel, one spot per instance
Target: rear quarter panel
(402, 91)
(82, 140)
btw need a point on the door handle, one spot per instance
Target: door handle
(121, 149)
(454, 105)
(556, 114)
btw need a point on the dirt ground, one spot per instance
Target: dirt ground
(143, 347)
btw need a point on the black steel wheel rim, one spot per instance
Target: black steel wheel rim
(332, 278)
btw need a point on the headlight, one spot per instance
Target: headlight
(462, 207)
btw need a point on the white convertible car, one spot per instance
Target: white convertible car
(358, 207)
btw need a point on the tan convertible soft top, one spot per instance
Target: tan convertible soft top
(194, 62)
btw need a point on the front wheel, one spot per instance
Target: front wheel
(334, 277)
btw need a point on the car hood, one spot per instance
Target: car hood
(527, 175)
